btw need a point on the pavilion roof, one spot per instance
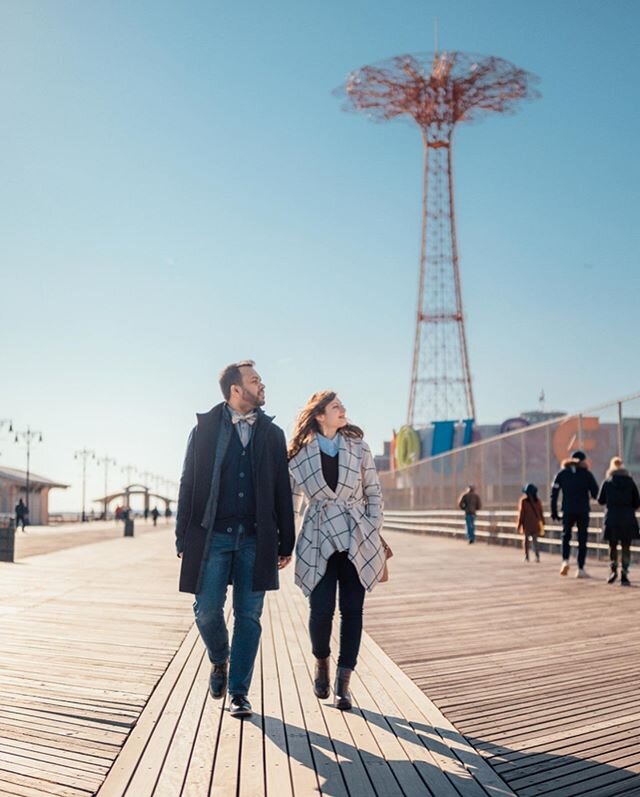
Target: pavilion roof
(20, 476)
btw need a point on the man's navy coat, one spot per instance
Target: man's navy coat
(198, 496)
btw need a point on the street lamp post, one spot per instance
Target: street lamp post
(129, 470)
(84, 454)
(4, 422)
(29, 436)
(106, 461)
(146, 477)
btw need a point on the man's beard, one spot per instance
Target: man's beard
(255, 401)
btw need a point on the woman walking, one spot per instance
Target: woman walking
(619, 494)
(337, 494)
(530, 519)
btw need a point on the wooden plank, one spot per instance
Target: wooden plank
(299, 744)
(332, 765)
(204, 752)
(50, 772)
(150, 763)
(251, 775)
(176, 763)
(277, 774)
(224, 781)
(123, 770)
(14, 783)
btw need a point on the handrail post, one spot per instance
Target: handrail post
(620, 431)
(579, 442)
(501, 492)
(548, 436)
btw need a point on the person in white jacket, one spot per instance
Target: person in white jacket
(338, 501)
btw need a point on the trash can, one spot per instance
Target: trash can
(7, 539)
(128, 528)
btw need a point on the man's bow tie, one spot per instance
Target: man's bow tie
(249, 418)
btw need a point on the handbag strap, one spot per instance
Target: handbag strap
(537, 508)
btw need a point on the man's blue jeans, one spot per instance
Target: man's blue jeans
(470, 520)
(231, 558)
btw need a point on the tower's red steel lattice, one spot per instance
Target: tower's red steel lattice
(438, 91)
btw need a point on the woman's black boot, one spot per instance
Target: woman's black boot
(341, 689)
(321, 686)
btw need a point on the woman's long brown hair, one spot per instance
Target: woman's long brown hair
(307, 424)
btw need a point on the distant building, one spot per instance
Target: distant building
(13, 488)
(383, 461)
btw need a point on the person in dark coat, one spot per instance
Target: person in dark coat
(530, 519)
(22, 513)
(234, 525)
(577, 484)
(619, 494)
(470, 503)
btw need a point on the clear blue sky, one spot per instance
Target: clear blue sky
(180, 189)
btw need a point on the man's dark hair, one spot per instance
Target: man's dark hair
(230, 375)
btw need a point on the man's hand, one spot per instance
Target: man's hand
(283, 561)
(180, 555)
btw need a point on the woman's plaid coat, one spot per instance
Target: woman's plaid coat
(349, 519)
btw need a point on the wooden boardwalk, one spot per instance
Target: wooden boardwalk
(511, 681)
(539, 672)
(104, 690)
(45, 539)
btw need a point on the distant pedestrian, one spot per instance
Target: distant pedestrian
(155, 514)
(577, 484)
(530, 519)
(619, 494)
(470, 504)
(22, 514)
(146, 513)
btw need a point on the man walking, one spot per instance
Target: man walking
(577, 484)
(234, 525)
(21, 514)
(470, 504)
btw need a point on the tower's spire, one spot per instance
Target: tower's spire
(438, 90)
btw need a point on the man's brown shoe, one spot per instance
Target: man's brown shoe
(218, 680)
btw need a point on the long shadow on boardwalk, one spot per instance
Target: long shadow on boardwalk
(344, 769)
(615, 772)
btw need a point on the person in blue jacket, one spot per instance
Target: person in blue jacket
(578, 485)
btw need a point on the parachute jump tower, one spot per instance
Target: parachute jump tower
(438, 91)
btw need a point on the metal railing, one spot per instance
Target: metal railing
(500, 466)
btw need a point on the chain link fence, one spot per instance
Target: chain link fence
(500, 466)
